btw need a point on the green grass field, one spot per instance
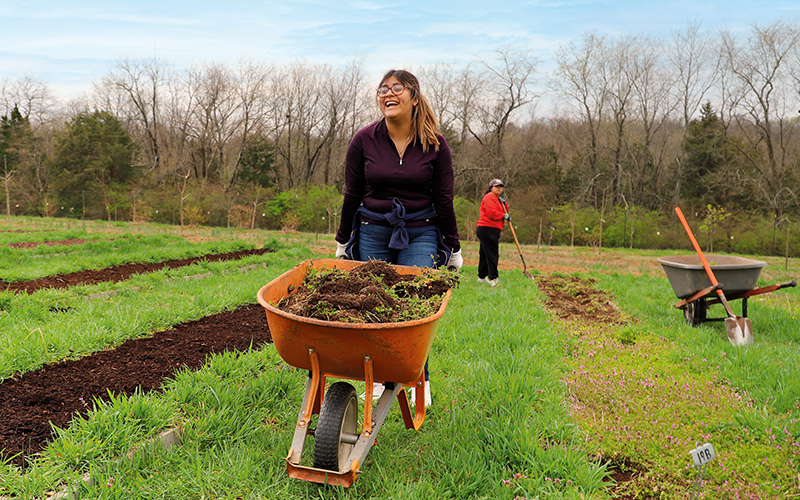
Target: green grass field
(525, 406)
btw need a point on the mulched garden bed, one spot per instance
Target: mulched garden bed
(119, 273)
(55, 393)
(34, 244)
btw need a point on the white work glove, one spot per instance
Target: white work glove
(340, 250)
(455, 262)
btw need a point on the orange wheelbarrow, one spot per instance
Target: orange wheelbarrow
(391, 353)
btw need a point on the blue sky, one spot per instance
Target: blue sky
(68, 44)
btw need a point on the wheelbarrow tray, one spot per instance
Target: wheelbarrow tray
(688, 277)
(398, 351)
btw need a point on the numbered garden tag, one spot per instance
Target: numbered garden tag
(703, 454)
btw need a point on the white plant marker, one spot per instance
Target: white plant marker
(702, 455)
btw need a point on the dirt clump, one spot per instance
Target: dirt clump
(373, 292)
(576, 299)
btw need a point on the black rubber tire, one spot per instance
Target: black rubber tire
(688, 314)
(695, 312)
(339, 414)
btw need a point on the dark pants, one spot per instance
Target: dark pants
(489, 252)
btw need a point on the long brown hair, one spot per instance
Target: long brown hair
(424, 125)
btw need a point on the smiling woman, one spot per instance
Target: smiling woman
(398, 198)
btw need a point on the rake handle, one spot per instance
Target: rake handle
(514, 234)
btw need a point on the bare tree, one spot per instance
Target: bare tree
(175, 150)
(316, 110)
(32, 97)
(766, 111)
(695, 62)
(507, 88)
(139, 83)
(580, 77)
(345, 110)
(620, 78)
(453, 93)
(6, 178)
(212, 121)
(440, 82)
(182, 192)
(253, 94)
(652, 87)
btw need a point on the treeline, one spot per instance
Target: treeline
(627, 126)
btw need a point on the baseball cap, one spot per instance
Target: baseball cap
(496, 182)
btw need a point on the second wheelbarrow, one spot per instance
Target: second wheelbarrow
(737, 276)
(391, 353)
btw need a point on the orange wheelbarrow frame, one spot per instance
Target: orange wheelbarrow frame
(391, 353)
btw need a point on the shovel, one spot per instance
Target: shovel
(739, 330)
(510, 225)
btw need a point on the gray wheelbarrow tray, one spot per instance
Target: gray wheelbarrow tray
(737, 276)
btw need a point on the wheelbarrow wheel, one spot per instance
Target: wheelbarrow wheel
(695, 312)
(336, 428)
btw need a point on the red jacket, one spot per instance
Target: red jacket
(491, 212)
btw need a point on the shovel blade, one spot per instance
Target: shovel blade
(740, 331)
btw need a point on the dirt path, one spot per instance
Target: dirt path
(577, 300)
(119, 273)
(56, 392)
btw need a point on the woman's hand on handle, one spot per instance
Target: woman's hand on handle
(341, 250)
(456, 261)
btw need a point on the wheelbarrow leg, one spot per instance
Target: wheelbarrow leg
(311, 404)
(379, 414)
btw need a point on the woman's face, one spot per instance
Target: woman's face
(497, 190)
(396, 106)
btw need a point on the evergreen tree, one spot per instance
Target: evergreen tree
(257, 164)
(707, 154)
(93, 163)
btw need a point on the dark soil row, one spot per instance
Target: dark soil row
(34, 244)
(119, 273)
(55, 393)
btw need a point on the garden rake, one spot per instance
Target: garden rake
(511, 226)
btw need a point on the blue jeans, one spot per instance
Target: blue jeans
(373, 243)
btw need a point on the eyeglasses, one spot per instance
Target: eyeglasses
(396, 89)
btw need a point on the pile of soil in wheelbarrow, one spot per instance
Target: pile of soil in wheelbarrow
(373, 292)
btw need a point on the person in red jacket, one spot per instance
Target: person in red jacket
(490, 223)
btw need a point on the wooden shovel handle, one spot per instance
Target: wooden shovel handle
(705, 263)
(697, 248)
